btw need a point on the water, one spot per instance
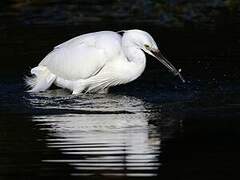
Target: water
(167, 135)
(107, 135)
(112, 138)
(155, 127)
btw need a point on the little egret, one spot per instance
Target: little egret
(94, 62)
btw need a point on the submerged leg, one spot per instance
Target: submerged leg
(77, 91)
(78, 87)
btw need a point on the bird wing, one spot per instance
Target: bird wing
(83, 56)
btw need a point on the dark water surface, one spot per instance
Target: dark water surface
(57, 134)
(154, 127)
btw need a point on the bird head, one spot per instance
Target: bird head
(145, 42)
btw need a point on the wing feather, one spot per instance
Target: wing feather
(82, 56)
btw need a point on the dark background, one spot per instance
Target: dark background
(204, 34)
(198, 121)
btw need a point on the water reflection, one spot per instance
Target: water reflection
(110, 135)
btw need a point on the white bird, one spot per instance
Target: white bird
(94, 62)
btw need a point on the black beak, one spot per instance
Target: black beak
(158, 55)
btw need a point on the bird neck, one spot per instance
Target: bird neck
(133, 52)
(135, 57)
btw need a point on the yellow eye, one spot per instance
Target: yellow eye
(146, 46)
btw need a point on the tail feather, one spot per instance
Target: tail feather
(30, 81)
(40, 80)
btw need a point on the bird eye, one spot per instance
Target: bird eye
(146, 46)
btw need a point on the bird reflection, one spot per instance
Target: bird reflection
(112, 136)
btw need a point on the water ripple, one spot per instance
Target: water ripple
(108, 144)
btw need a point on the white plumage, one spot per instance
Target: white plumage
(96, 61)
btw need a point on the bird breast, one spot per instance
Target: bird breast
(121, 70)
